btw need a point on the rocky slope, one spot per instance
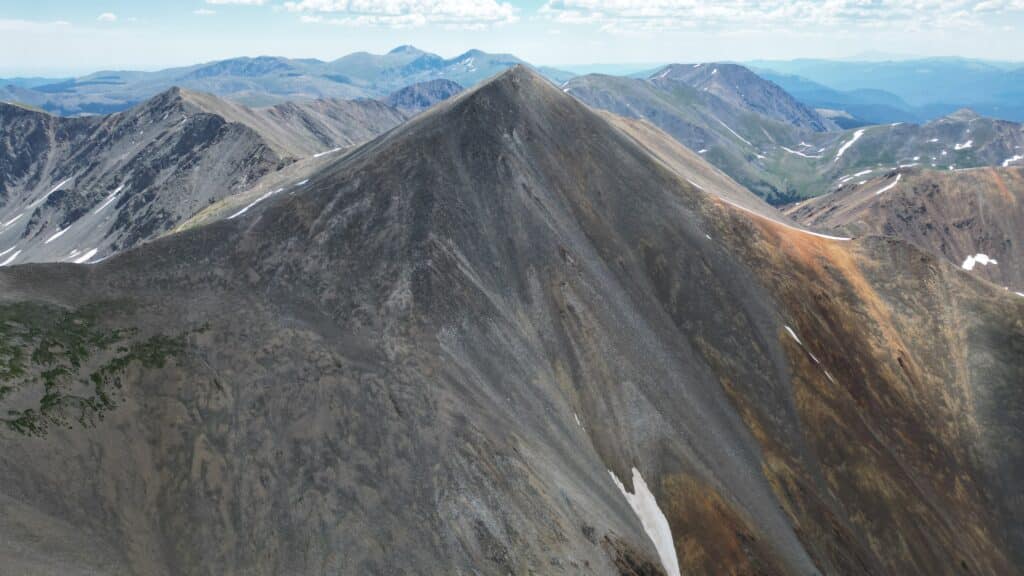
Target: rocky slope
(760, 138)
(510, 336)
(418, 97)
(80, 189)
(736, 140)
(742, 88)
(957, 215)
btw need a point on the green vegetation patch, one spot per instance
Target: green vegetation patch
(70, 362)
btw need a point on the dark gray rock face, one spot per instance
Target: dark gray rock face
(428, 358)
(80, 189)
(420, 96)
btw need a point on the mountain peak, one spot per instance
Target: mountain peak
(406, 49)
(964, 115)
(740, 86)
(172, 94)
(521, 82)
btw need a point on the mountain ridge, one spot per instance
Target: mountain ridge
(268, 80)
(83, 188)
(457, 339)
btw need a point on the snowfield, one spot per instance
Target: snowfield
(652, 519)
(891, 185)
(253, 203)
(846, 146)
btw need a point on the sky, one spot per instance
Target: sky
(70, 37)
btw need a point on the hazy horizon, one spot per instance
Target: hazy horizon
(62, 38)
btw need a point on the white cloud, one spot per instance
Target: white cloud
(238, 2)
(204, 12)
(107, 17)
(625, 15)
(450, 14)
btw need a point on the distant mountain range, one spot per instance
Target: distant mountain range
(264, 80)
(778, 147)
(903, 91)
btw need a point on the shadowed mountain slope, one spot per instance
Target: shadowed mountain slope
(79, 189)
(418, 97)
(458, 340)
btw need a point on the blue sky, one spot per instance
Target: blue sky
(58, 37)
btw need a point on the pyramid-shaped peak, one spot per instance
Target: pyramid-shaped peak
(406, 49)
(524, 75)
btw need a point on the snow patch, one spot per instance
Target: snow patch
(963, 146)
(109, 199)
(13, 220)
(326, 152)
(793, 335)
(11, 259)
(863, 172)
(47, 195)
(1009, 161)
(798, 153)
(6, 252)
(254, 202)
(979, 258)
(86, 257)
(891, 185)
(57, 235)
(783, 224)
(846, 146)
(652, 519)
(734, 132)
